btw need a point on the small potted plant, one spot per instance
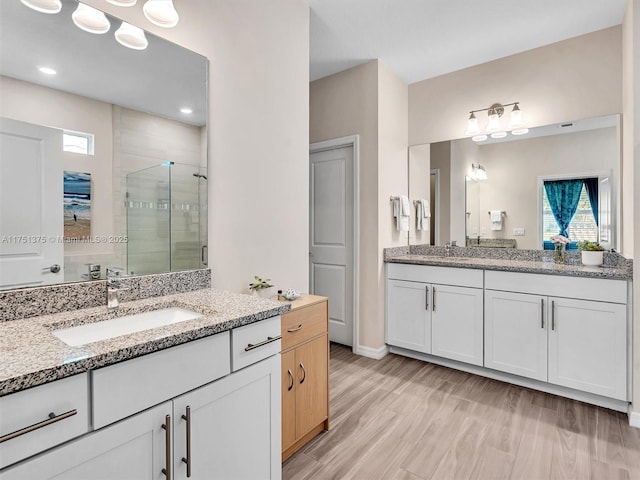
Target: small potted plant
(592, 252)
(260, 286)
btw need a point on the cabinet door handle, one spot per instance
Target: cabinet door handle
(291, 330)
(291, 379)
(304, 373)
(53, 418)
(251, 346)
(426, 297)
(167, 446)
(553, 315)
(433, 299)
(187, 459)
(542, 313)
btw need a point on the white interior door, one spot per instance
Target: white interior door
(331, 220)
(31, 216)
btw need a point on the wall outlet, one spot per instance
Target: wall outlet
(518, 232)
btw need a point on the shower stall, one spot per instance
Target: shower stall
(166, 208)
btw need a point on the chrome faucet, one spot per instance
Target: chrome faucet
(114, 286)
(448, 246)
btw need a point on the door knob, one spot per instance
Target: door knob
(55, 268)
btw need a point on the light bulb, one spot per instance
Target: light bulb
(90, 19)
(494, 121)
(472, 125)
(516, 117)
(44, 6)
(161, 13)
(122, 3)
(131, 36)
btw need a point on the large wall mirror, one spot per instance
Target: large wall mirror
(103, 157)
(500, 193)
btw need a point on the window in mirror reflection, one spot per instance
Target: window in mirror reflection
(77, 142)
(570, 208)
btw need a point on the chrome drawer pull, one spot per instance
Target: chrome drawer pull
(291, 330)
(426, 297)
(542, 313)
(187, 459)
(167, 446)
(53, 418)
(251, 346)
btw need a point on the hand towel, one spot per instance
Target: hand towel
(496, 219)
(401, 211)
(423, 213)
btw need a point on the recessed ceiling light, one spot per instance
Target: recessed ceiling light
(44, 6)
(186, 110)
(520, 131)
(479, 138)
(47, 70)
(499, 135)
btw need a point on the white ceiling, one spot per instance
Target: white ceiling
(419, 39)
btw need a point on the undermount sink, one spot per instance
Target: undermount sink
(115, 327)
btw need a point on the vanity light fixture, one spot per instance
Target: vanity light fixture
(186, 110)
(122, 3)
(44, 6)
(494, 127)
(520, 131)
(161, 13)
(478, 172)
(131, 36)
(90, 19)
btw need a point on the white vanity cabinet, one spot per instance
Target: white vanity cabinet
(227, 427)
(135, 448)
(436, 310)
(566, 331)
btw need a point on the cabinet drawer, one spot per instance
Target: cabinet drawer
(129, 387)
(461, 277)
(598, 289)
(67, 400)
(303, 324)
(254, 342)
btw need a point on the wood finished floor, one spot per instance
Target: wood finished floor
(403, 419)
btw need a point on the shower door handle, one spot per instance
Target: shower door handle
(203, 257)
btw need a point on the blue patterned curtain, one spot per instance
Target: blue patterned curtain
(563, 198)
(591, 185)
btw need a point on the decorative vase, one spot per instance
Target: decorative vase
(264, 292)
(592, 258)
(558, 256)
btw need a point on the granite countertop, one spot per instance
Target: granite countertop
(511, 265)
(32, 355)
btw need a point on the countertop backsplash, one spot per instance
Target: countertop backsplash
(31, 302)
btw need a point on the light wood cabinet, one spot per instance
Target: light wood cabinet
(305, 372)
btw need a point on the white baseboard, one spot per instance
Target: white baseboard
(375, 353)
(634, 419)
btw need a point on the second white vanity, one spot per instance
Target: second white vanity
(562, 329)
